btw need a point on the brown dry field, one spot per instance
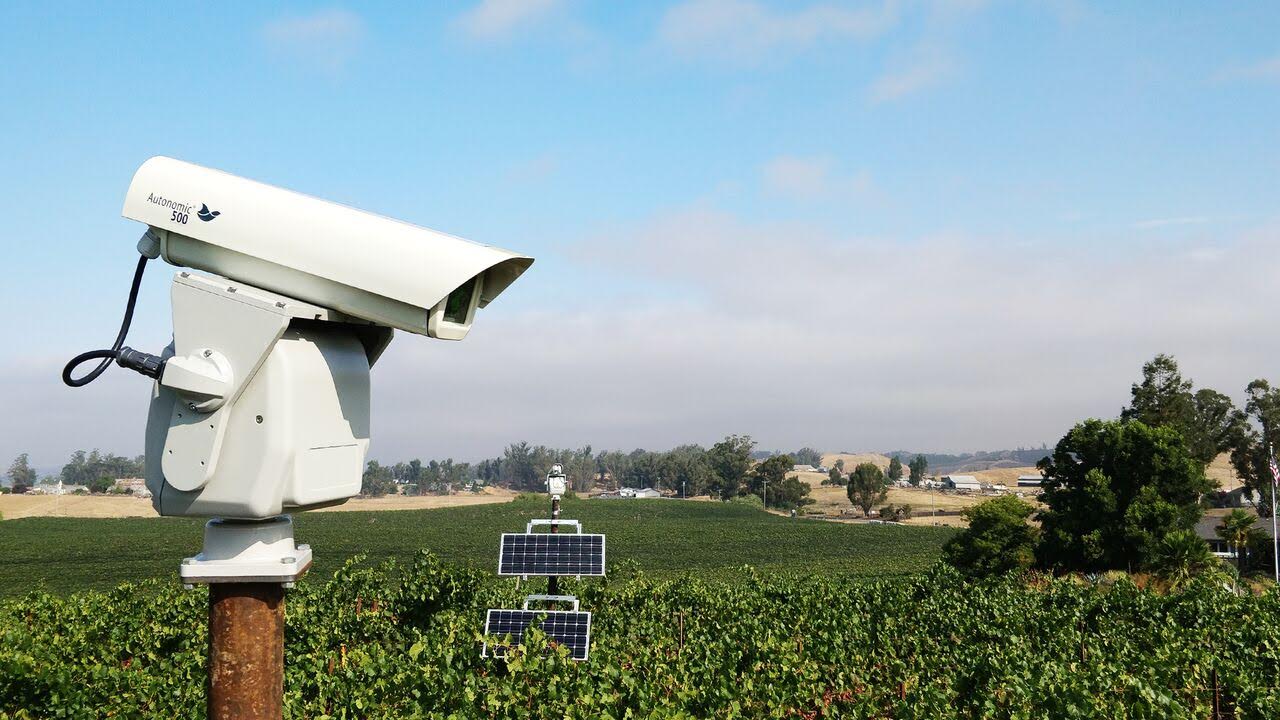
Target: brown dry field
(833, 500)
(13, 507)
(852, 460)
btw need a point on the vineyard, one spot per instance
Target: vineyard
(389, 640)
(664, 536)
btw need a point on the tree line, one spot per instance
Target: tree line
(95, 470)
(1127, 493)
(725, 470)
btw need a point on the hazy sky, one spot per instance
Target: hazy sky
(933, 225)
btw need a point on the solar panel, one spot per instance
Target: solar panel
(570, 628)
(551, 554)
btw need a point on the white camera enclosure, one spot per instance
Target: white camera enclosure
(262, 401)
(364, 265)
(278, 419)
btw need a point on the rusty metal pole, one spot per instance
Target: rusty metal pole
(246, 651)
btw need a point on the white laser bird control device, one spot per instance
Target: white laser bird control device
(261, 403)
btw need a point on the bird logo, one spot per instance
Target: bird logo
(206, 214)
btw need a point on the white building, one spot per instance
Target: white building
(965, 483)
(641, 493)
(1029, 480)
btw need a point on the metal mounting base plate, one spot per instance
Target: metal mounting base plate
(238, 551)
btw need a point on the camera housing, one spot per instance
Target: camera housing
(261, 403)
(364, 265)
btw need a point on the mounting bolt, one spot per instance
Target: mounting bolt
(191, 406)
(280, 304)
(288, 560)
(208, 353)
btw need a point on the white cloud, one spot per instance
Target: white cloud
(746, 30)
(783, 330)
(811, 178)
(326, 39)
(498, 19)
(923, 69)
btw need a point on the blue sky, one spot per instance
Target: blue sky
(938, 225)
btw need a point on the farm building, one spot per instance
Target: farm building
(133, 486)
(1029, 480)
(966, 483)
(803, 468)
(1207, 529)
(628, 493)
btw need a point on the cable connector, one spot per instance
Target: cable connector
(138, 361)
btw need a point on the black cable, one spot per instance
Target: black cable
(107, 355)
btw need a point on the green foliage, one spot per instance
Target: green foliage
(896, 513)
(89, 469)
(918, 466)
(1180, 556)
(806, 456)
(1237, 529)
(664, 536)
(769, 481)
(747, 500)
(867, 487)
(393, 642)
(998, 540)
(377, 480)
(1113, 490)
(21, 475)
(895, 469)
(1253, 450)
(834, 477)
(1207, 420)
(730, 461)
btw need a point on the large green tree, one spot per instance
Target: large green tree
(1252, 454)
(1208, 421)
(1114, 490)
(377, 480)
(867, 487)
(999, 539)
(895, 469)
(769, 480)
(919, 465)
(730, 462)
(806, 456)
(94, 467)
(21, 475)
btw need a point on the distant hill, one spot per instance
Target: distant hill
(942, 463)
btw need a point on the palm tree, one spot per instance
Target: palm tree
(1180, 555)
(1235, 529)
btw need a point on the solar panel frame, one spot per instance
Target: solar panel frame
(518, 621)
(529, 554)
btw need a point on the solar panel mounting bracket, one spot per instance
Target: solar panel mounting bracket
(550, 598)
(573, 523)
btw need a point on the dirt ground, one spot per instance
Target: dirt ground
(13, 507)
